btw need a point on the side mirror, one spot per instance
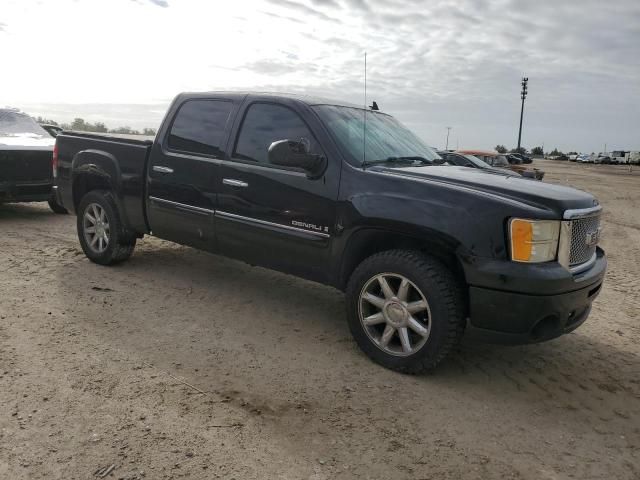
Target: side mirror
(289, 153)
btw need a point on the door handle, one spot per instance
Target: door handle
(234, 183)
(160, 169)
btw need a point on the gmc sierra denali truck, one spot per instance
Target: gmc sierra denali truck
(304, 186)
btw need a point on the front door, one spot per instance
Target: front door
(182, 195)
(269, 215)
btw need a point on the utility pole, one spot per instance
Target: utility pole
(523, 95)
(448, 130)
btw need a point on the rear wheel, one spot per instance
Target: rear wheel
(405, 310)
(102, 236)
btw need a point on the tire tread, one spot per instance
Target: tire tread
(449, 291)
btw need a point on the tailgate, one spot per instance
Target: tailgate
(25, 166)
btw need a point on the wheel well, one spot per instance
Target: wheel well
(372, 242)
(84, 183)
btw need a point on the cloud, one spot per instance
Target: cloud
(287, 64)
(326, 3)
(159, 3)
(304, 9)
(433, 63)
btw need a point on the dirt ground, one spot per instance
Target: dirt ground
(181, 364)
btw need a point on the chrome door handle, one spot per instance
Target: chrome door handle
(160, 169)
(234, 183)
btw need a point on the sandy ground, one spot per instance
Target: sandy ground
(181, 364)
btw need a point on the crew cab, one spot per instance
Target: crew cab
(350, 198)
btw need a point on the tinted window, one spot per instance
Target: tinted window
(199, 127)
(264, 124)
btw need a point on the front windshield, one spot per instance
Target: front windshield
(387, 140)
(476, 161)
(13, 123)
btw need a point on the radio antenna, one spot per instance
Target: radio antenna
(364, 125)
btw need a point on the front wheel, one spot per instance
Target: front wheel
(405, 310)
(102, 236)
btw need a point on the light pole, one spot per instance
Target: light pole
(447, 145)
(523, 95)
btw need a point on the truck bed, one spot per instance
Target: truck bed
(119, 156)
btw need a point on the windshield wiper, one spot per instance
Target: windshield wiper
(411, 159)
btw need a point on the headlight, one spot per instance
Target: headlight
(533, 241)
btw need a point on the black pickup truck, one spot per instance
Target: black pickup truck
(304, 186)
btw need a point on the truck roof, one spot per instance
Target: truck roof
(307, 99)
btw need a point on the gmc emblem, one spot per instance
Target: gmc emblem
(592, 238)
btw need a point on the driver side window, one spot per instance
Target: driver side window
(265, 123)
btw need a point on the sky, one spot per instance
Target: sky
(432, 64)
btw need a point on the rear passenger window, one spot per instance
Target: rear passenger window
(266, 123)
(199, 127)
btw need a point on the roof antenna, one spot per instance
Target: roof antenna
(364, 125)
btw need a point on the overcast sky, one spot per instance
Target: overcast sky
(432, 64)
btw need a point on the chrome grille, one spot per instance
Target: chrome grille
(582, 229)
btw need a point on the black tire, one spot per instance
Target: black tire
(439, 288)
(56, 207)
(121, 242)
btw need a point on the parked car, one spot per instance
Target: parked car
(634, 157)
(512, 159)
(524, 158)
(499, 160)
(52, 130)
(619, 157)
(25, 160)
(304, 186)
(465, 160)
(603, 158)
(573, 157)
(584, 158)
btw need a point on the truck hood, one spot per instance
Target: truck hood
(534, 193)
(26, 141)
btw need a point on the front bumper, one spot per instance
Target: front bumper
(533, 313)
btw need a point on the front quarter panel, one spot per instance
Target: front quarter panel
(469, 223)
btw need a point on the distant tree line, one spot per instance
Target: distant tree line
(534, 151)
(81, 125)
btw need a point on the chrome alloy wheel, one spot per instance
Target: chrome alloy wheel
(395, 314)
(95, 227)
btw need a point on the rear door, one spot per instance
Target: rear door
(270, 215)
(182, 170)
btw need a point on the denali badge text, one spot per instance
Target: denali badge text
(309, 226)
